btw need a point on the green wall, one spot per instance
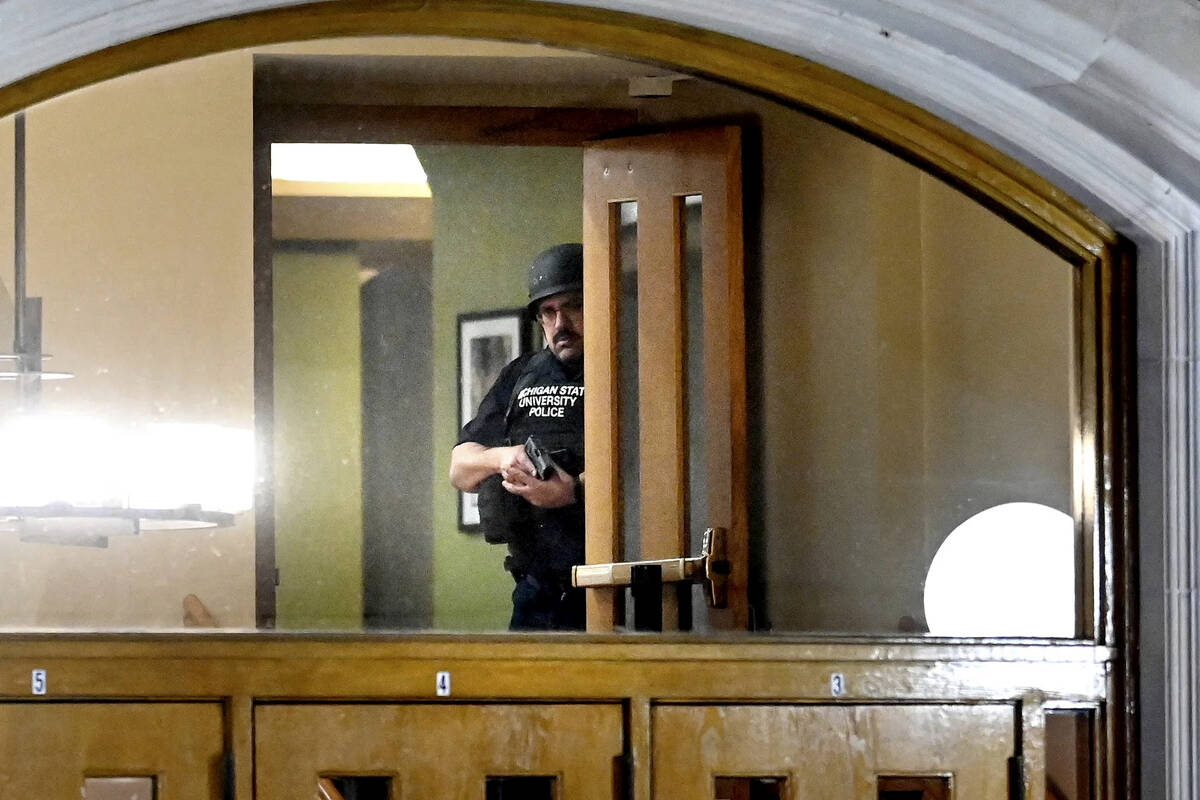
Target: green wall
(318, 440)
(494, 209)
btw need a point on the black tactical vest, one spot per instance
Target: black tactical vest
(546, 403)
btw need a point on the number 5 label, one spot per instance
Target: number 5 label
(38, 681)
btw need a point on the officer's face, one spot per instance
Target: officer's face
(561, 316)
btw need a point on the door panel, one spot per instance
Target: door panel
(448, 752)
(838, 751)
(49, 750)
(686, 189)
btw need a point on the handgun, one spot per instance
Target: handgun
(543, 464)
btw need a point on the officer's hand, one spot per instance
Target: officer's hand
(555, 492)
(514, 463)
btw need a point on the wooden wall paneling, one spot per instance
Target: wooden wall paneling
(446, 750)
(47, 749)
(239, 738)
(639, 764)
(566, 667)
(807, 745)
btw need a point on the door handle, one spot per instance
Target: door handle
(710, 568)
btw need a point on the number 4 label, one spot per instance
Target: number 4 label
(443, 684)
(38, 681)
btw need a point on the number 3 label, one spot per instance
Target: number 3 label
(38, 682)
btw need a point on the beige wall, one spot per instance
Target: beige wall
(910, 367)
(139, 203)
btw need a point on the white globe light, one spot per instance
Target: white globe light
(1007, 571)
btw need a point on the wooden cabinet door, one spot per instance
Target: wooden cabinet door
(850, 752)
(680, 193)
(91, 750)
(439, 752)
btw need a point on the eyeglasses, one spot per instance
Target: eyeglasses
(549, 310)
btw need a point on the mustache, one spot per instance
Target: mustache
(564, 336)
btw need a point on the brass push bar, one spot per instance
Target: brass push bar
(711, 568)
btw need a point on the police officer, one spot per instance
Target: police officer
(538, 395)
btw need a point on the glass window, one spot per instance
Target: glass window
(239, 369)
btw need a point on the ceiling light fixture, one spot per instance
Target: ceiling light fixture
(347, 169)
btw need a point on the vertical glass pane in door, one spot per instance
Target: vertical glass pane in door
(626, 218)
(689, 211)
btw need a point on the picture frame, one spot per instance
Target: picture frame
(487, 341)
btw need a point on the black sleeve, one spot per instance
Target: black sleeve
(487, 428)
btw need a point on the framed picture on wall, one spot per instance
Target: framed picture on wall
(487, 341)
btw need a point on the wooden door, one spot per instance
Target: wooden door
(684, 190)
(439, 752)
(111, 751)
(853, 752)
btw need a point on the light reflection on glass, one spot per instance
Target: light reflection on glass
(1007, 571)
(82, 461)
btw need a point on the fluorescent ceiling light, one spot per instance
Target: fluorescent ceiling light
(346, 163)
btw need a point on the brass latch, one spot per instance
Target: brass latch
(711, 568)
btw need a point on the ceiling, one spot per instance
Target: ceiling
(395, 70)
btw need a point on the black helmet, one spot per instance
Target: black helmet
(558, 269)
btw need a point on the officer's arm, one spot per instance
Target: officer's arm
(471, 463)
(558, 490)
